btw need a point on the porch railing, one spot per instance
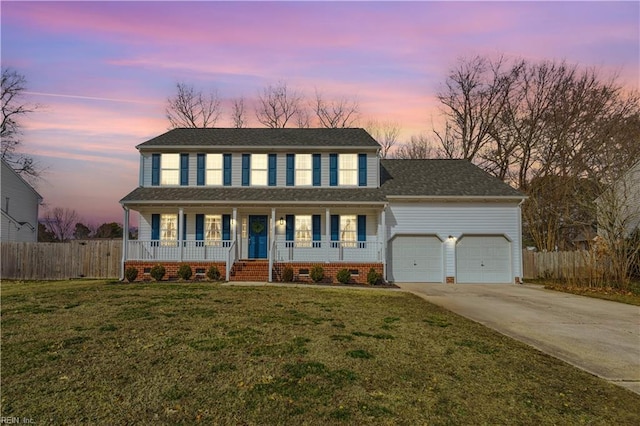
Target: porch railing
(281, 251)
(232, 256)
(328, 251)
(175, 251)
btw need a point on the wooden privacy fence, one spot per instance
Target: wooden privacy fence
(54, 261)
(577, 264)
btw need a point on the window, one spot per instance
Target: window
(168, 229)
(348, 173)
(303, 169)
(303, 230)
(170, 169)
(213, 229)
(214, 169)
(259, 169)
(348, 230)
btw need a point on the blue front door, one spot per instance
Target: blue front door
(258, 237)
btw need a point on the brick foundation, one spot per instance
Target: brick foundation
(330, 271)
(172, 269)
(451, 280)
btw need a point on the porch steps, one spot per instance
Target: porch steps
(250, 270)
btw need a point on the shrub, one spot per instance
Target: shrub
(184, 272)
(287, 274)
(130, 274)
(157, 272)
(317, 273)
(373, 277)
(343, 276)
(213, 273)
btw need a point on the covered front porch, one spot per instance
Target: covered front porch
(296, 235)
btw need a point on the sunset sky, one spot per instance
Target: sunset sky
(102, 71)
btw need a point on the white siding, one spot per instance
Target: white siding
(146, 168)
(236, 169)
(373, 168)
(20, 203)
(281, 170)
(457, 220)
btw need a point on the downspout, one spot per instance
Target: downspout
(272, 238)
(180, 231)
(125, 241)
(520, 240)
(383, 232)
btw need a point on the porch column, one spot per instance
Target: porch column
(125, 241)
(383, 239)
(327, 231)
(272, 238)
(180, 231)
(234, 228)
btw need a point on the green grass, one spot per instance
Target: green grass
(107, 353)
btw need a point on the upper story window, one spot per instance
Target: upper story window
(259, 169)
(214, 169)
(170, 169)
(303, 169)
(348, 169)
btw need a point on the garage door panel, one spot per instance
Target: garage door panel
(416, 259)
(483, 259)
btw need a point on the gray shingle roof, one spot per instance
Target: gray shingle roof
(249, 195)
(408, 178)
(263, 137)
(440, 178)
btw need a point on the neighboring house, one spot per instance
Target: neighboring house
(619, 206)
(19, 205)
(252, 201)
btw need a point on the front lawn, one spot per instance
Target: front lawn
(110, 353)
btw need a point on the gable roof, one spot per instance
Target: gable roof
(262, 137)
(8, 168)
(440, 178)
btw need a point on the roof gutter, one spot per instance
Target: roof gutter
(254, 148)
(519, 198)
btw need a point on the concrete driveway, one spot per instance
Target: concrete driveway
(595, 335)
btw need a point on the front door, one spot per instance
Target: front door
(258, 237)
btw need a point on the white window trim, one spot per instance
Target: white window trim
(259, 175)
(348, 176)
(169, 174)
(213, 170)
(303, 176)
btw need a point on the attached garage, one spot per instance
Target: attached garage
(483, 259)
(416, 258)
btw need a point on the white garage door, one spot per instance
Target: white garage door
(416, 258)
(483, 259)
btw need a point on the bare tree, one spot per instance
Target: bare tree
(472, 100)
(419, 147)
(192, 108)
(238, 114)
(336, 114)
(61, 222)
(618, 211)
(386, 133)
(277, 105)
(14, 108)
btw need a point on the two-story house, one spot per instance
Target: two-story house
(19, 204)
(252, 201)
